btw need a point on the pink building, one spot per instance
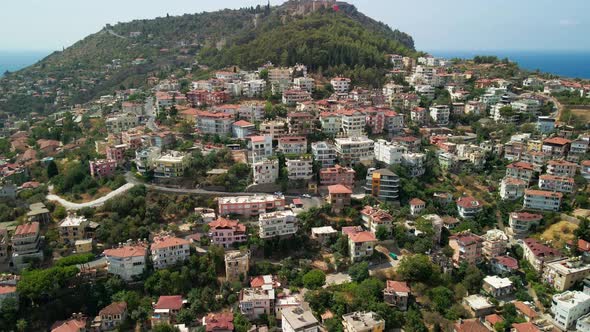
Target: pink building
(225, 232)
(337, 175)
(102, 168)
(116, 153)
(250, 205)
(375, 119)
(467, 248)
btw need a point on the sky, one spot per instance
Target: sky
(435, 25)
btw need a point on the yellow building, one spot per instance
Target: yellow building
(83, 246)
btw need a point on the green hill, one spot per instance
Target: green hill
(103, 62)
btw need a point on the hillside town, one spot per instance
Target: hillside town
(454, 197)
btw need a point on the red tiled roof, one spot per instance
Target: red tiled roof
(525, 327)
(468, 202)
(561, 163)
(545, 193)
(467, 238)
(115, 308)
(226, 223)
(526, 216)
(339, 189)
(416, 201)
(583, 245)
(493, 319)
(521, 165)
(507, 261)
(71, 325)
(7, 289)
(173, 302)
(557, 141)
(556, 178)
(398, 286)
(362, 237)
(28, 228)
(168, 241)
(258, 281)
(540, 250)
(470, 325)
(347, 230)
(221, 321)
(243, 123)
(126, 251)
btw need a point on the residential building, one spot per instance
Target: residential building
(542, 200)
(292, 97)
(470, 325)
(83, 246)
(361, 245)
(278, 223)
(171, 164)
(414, 163)
(545, 124)
(323, 234)
(526, 310)
(339, 196)
(121, 122)
(168, 250)
(26, 245)
(355, 150)
(521, 170)
(394, 122)
(467, 247)
(255, 302)
(440, 114)
(298, 320)
(144, 159)
(418, 115)
(353, 122)
(78, 323)
(562, 168)
(251, 111)
(557, 146)
(560, 184)
(479, 305)
(583, 323)
(111, 316)
(388, 152)
(219, 322)
(127, 261)
(260, 148)
(166, 309)
(300, 123)
(242, 129)
(331, 123)
(539, 254)
(512, 188)
(324, 153)
(417, 206)
(397, 294)
(497, 287)
(249, 205)
(116, 152)
(292, 145)
(337, 175)
(522, 222)
(102, 168)
(374, 217)
(340, 84)
(495, 243)
(225, 232)
(265, 171)
(504, 265)
(586, 170)
(237, 265)
(382, 184)
(304, 83)
(72, 228)
(4, 243)
(564, 274)
(300, 168)
(568, 307)
(363, 322)
(274, 128)
(468, 207)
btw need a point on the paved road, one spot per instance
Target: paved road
(92, 204)
(149, 111)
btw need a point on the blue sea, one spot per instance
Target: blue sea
(573, 64)
(15, 60)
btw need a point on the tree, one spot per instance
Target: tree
(165, 328)
(418, 268)
(442, 298)
(414, 322)
(185, 316)
(382, 233)
(241, 323)
(359, 271)
(52, 170)
(21, 325)
(314, 279)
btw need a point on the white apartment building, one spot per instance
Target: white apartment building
(324, 153)
(296, 319)
(560, 184)
(542, 200)
(121, 122)
(251, 112)
(426, 91)
(168, 250)
(304, 83)
(253, 88)
(567, 307)
(340, 84)
(512, 188)
(265, 171)
(353, 122)
(354, 150)
(388, 152)
(331, 122)
(279, 74)
(561, 168)
(260, 148)
(300, 168)
(440, 114)
(171, 165)
(278, 223)
(127, 261)
(414, 163)
(521, 222)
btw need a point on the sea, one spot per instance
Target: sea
(571, 64)
(15, 60)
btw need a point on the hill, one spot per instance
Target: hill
(124, 55)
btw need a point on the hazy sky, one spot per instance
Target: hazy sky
(434, 24)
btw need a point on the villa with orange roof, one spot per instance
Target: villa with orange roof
(557, 146)
(127, 261)
(242, 129)
(397, 293)
(166, 309)
(339, 196)
(168, 250)
(373, 217)
(417, 206)
(225, 232)
(361, 245)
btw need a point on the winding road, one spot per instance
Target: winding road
(92, 204)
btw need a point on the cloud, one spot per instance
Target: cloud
(568, 22)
